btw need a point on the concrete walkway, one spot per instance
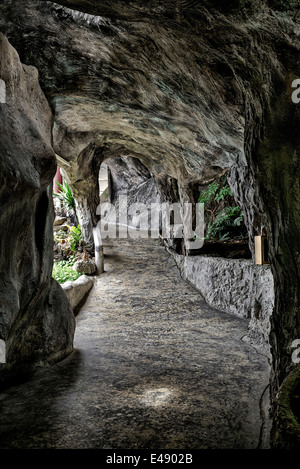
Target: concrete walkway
(154, 368)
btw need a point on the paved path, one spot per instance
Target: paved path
(154, 367)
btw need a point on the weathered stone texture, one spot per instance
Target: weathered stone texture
(76, 291)
(35, 317)
(87, 267)
(154, 367)
(235, 286)
(192, 90)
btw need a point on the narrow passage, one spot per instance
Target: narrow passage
(154, 367)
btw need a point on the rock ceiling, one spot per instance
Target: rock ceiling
(171, 84)
(191, 88)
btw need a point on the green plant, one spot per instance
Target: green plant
(76, 237)
(227, 224)
(223, 193)
(66, 196)
(206, 196)
(224, 219)
(63, 270)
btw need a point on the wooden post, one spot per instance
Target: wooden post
(261, 250)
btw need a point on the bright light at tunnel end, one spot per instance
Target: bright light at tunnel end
(159, 220)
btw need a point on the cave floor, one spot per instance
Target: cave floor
(153, 367)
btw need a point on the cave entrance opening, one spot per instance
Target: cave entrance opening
(127, 192)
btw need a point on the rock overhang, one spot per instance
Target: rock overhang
(191, 90)
(151, 91)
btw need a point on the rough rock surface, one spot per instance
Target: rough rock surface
(35, 317)
(76, 291)
(58, 221)
(87, 267)
(131, 185)
(153, 367)
(127, 174)
(235, 286)
(192, 89)
(286, 431)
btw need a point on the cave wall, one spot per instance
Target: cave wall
(275, 163)
(128, 175)
(234, 286)
(36, 321)
(191, 91)
(130, 178)
(153, 103)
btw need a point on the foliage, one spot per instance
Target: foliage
(63, 270)
(223, 227)
(69, 240)
(224, 219)
(66, 196)
(76, 237)
(206, 196)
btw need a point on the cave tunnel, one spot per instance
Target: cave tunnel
(162, 104)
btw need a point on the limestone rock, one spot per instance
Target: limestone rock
(76, 291)
(59, 220)
(192, 90)
(235, 286)
(60, 227)
(87, 267)
(130, 178)
(36, 321)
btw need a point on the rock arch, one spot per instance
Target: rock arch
(192, 91)
(36, 322)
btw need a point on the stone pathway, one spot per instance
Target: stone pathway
(153, 368)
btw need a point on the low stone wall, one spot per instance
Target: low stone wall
(77, 290)
(235, 286)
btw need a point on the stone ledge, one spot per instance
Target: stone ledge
(77, 290)
(235, 286)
